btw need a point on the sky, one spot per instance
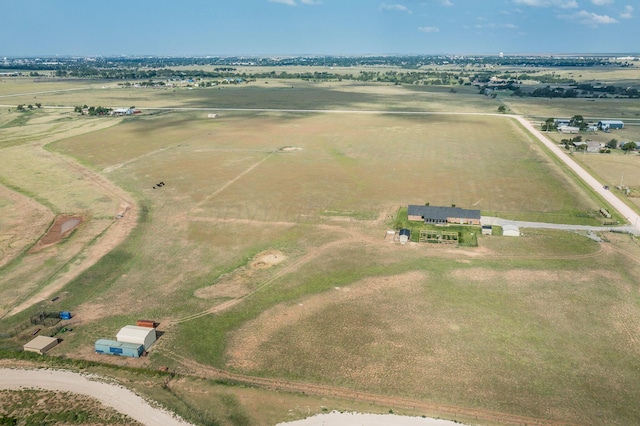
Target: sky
(317, 27)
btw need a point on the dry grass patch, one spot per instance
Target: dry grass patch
(242, 280)
(45, 407)
(513, 339)
(23, 222)
(254, 337)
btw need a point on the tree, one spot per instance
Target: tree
(502, 109)
(578, 121)
(612, 144)
(21, 107)
(549, 124)
(629, 146)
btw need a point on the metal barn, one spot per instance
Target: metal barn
(111, 347)
(139, 335)
(610, 124)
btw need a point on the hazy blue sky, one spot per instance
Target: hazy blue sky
(272, 27)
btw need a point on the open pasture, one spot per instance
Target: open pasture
(364, 165)
(543, 326)
(615, 169)
(590, 109)
(549, 339)
(268, 93)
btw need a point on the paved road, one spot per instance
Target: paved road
(120, 398)
(598, 187)
(489, 220)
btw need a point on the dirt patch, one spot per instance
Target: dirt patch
(62, 226)
(290, 149)
(239, 282)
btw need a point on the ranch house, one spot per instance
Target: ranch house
(443, 215)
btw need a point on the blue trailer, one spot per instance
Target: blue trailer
(65, 315)
(112, 347)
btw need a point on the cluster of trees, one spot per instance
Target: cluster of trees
(579, 90)
(406, 62)
(22, 107)
(92, 110)
(575, 121)
(431, 77)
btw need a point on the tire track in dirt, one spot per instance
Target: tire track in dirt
(430, 408)
(229, 183)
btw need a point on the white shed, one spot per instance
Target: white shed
(510, 231)
(135, 334)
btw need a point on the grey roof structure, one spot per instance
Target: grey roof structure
(442, 213)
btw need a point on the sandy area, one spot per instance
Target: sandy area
(351, 419)
(117, 397)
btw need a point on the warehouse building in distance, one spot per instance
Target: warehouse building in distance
(610, 124)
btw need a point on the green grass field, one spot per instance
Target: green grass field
(543, 326)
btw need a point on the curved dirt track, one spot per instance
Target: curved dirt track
(424, 407)
(117, 397)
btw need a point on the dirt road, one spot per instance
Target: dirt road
(120, 398)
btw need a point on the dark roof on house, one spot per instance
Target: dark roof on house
(442, 213)
(405, 231)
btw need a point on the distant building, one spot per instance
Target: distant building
(593, 146)
(443, 215)
(125, 111)
(568, 129)
(610, 124)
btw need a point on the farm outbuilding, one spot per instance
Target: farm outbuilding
(610, 124)
(404, 236)
(568, 129)
(510, 231)
(112, 347)
(139, 335)
(443, 215)
(40, 344)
